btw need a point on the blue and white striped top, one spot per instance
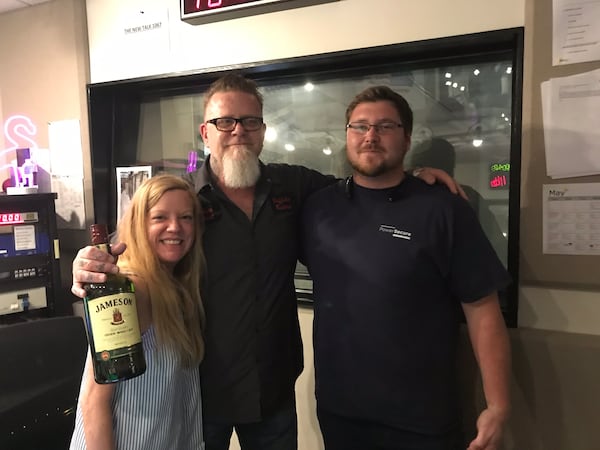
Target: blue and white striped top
(159, 410)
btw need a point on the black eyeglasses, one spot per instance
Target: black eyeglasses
(380, 128)
(249, 123)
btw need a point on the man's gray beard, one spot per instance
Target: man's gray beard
(241, 168)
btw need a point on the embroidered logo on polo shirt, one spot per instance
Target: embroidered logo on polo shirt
(282, 203)
(396, 233)
(209, 214)
(210, 211)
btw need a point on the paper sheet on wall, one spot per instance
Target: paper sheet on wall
(66, 153)
(570, 108)
(70, 206)
(571, 219)
(66, 163)
(576, 31)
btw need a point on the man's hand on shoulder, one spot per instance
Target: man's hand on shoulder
(431, 175)
(91, 266)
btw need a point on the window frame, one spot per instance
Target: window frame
(114, 109)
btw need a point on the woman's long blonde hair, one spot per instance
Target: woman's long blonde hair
(177, 312)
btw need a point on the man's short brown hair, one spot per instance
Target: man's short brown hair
(384, 93)
(233, 82)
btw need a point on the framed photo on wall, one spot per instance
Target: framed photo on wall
(129, 179)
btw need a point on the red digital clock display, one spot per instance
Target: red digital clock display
(11, 218)
(198, 8)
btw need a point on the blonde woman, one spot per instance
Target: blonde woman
(160, 409)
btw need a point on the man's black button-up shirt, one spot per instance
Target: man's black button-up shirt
(253, 345)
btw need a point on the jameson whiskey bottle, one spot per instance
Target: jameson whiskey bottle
(112, 323)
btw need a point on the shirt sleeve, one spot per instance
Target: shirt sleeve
(475, 269)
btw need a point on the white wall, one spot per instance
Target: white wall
(178, 46)
(43, 72)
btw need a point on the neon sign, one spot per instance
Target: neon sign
(499, 176)
(19, 131)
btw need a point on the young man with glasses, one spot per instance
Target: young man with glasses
(392, 262)
(253, 346)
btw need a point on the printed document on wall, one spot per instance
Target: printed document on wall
(66, 153)
(66, 162)
(571, 219)
(576, 31)
(570, 108)
(70, 204)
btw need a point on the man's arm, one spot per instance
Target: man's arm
(431, 175)
(91, 264)
(315, 180)
(491, 347)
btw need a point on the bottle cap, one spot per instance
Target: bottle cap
(99, 233)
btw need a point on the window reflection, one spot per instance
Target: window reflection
(462, 125)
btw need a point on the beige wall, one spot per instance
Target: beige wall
(341, 25)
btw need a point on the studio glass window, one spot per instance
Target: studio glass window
(465, 92)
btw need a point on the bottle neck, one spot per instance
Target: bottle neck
(105, 247)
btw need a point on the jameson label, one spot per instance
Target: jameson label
(114, 321)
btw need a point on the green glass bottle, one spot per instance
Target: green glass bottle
(112, 323)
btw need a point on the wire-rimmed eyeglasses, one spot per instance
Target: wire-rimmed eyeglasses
(250, 123)
(380, 128)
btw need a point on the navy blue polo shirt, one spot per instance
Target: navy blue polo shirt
(390, 268)
(253, 345)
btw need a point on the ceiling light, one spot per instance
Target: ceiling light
(327, 151)
(289, 147)
(476, 72)
(271, 134)
(477, 142)
(448, 75)
(308, 87)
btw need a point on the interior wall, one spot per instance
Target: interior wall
(44, 69)
(177, 46)
(558, 292)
